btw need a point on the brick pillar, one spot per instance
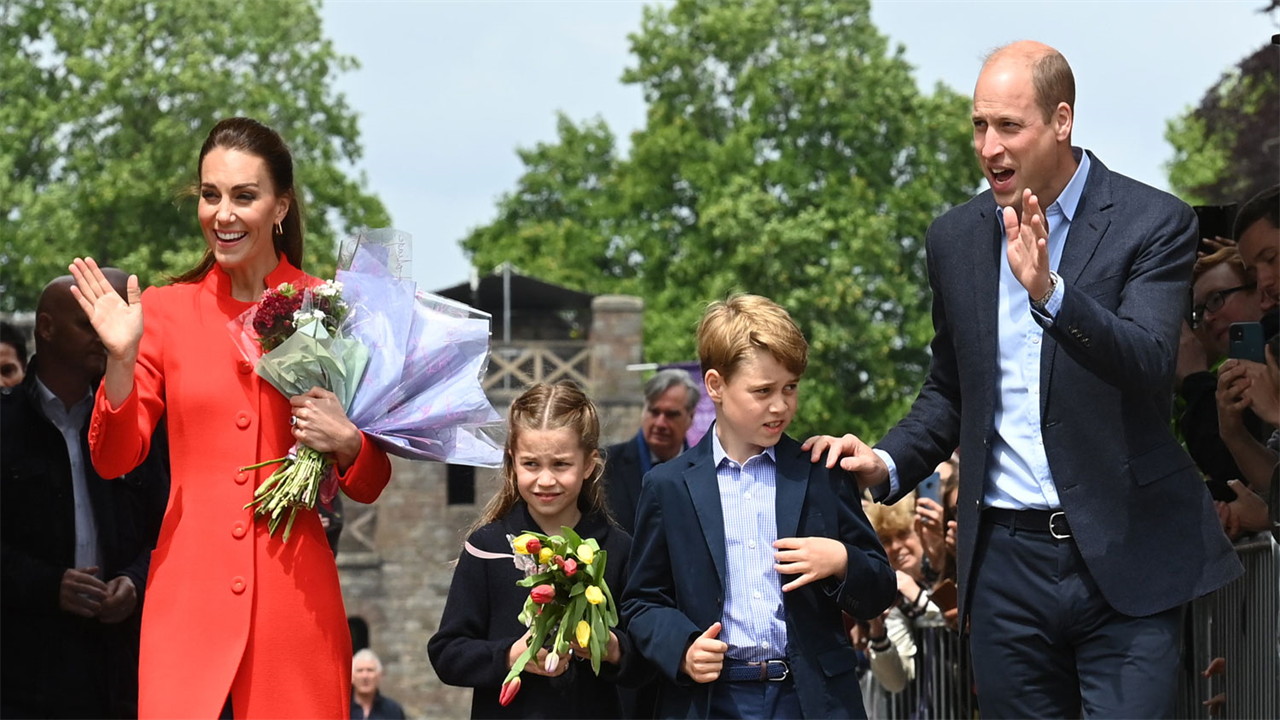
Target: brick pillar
(617, 340)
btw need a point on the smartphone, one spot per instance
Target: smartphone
(930, 488)
(1245, 342)
(944, 595)
(1219, 490)
(1215, 221)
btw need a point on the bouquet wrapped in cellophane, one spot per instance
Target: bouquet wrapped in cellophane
(569, 600)
(406, 366)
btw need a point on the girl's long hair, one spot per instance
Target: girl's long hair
(550, 407)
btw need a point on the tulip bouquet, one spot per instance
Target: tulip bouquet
(569, 600)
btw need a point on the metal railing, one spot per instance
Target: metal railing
(1239, 623)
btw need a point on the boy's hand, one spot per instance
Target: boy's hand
(705, 657)
(812, 558)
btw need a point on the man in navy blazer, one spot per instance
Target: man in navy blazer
(745, 554)
(1057, 302)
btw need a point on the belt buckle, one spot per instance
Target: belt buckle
(764, 668)
(1052, 531)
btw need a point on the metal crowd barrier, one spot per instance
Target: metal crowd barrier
(1239, 623)
(942, 688)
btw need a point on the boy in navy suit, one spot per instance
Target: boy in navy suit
(744, 553)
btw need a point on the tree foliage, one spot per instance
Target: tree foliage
(105, 104)
(1228, 148)
(787, 152)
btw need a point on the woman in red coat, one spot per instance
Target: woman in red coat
(232, 615)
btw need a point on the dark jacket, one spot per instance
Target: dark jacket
(1199, 427)
(678, 582)
(622, 475)
(55, 663)
(480, 624)
(384, 708)
(1137, 507)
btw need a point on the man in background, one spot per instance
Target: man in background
(75, 547)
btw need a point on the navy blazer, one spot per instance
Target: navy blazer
(677, 584)
(622, 476)
(1138, 508)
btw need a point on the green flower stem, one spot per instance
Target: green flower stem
(294, 485)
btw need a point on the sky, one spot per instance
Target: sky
(447, 91)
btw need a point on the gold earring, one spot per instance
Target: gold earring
(279, 229)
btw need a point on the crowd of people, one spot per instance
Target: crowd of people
(753, 575)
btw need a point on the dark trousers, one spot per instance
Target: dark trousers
(755, 700)
(1047, 645)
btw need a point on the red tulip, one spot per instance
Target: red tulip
(543, 594)
(509, 691)
(533, 546)
(570, 567)
(558, 560)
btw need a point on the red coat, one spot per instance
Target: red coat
(228, 609)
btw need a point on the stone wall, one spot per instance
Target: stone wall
(396, 556)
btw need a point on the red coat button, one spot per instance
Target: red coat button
(242, 420)
(242, 478)
(237, 585)
(244, 367)
(238, 530)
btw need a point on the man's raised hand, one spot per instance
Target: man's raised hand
(853, 455)
(1028, 245)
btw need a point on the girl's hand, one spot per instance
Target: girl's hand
(117, 321)
(322, 425)
(537, 664)
(612, 650)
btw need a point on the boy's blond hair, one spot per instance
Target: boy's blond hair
(731, 328)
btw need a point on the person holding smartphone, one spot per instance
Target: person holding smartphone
(1247, 385)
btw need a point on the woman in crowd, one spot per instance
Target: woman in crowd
(235, 621)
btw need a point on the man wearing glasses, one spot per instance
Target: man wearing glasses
(1221, 294)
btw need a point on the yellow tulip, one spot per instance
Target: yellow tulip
(521, 544)
(583, 632)
(594, 595)
(545, 555)
(586, 554)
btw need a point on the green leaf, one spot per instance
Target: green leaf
(787, 151)
(106, 104)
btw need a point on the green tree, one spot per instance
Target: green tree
(105, 104)
(1228, 148)
(787, 152)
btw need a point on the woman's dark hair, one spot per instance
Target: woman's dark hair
(252, 137)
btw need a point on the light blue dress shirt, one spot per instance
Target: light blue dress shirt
(754, 625)
(1020, 477)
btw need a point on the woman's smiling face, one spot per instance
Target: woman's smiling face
(239, 209)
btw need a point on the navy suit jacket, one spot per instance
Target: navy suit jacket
(677, 585)
(1138, 509)
(622, 476)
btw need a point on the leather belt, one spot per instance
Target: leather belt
(763, 671)
(1051, 522)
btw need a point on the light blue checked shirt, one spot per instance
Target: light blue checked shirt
(753, 624)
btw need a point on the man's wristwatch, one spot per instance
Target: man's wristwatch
(1044, 300)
